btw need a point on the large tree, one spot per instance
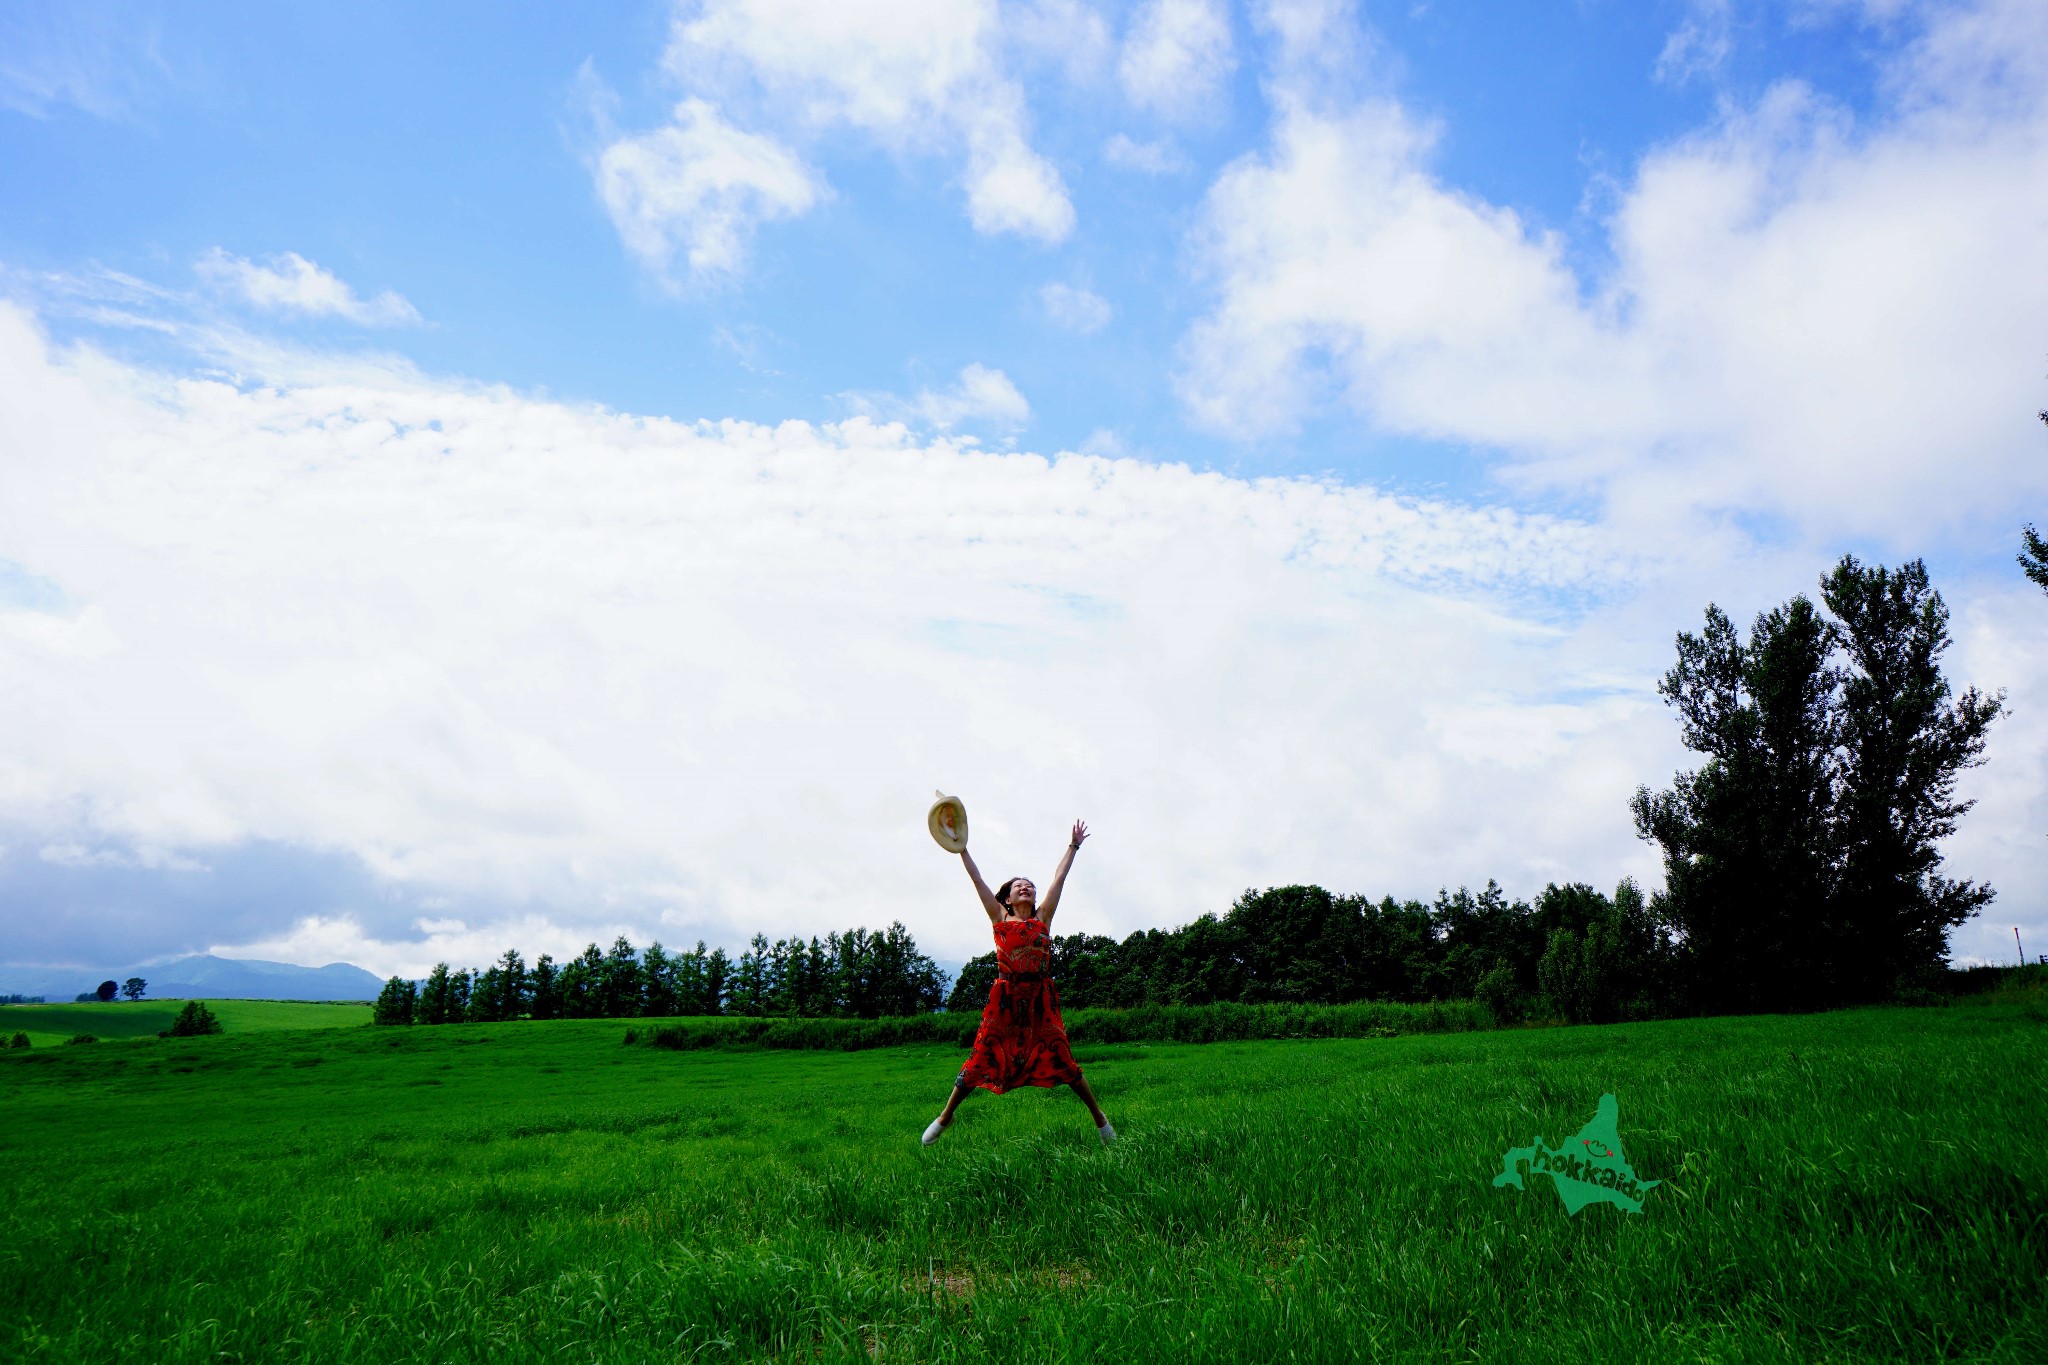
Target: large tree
(1801, 859)
(1747, 854)
(1904, 742)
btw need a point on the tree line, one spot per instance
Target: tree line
(1801, 858)
(1573, 953)
(857, 974)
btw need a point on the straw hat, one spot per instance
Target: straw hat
(947, 820)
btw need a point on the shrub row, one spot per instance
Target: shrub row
(1217, 1023)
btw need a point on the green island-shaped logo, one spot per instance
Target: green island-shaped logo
(1586, 1169)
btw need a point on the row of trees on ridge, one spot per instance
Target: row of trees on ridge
(857, 974)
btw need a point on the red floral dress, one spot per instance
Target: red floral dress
(1022, 1039)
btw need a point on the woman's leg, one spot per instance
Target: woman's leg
(961, 1090)
(939, 1124)
(1088, 1098)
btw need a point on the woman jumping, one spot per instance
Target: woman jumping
(1022, 1040)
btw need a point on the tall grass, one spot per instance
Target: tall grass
(1868, 1185)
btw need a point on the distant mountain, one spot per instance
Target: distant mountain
(203, 977)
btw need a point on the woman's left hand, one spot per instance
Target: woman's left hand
(1080, 833)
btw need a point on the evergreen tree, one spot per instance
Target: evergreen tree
(396, 1003)
(689, 972)
(2033, 555)
(775, 979)
(808, 976)
(437, 1002)
(483, 997)
(581, 984)
(906, 981)
(619, 982)
(747, 995)
(544, 989)
(852, 972)
(193, 1021)
(514, 990)
(711, 993)
(658, 972)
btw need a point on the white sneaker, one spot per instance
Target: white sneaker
(1107, 1132)
(931, 1134)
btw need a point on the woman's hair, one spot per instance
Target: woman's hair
(1003, 891)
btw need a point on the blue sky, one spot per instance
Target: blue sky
(1492, 342)
(445, 156)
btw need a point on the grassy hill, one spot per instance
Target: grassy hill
(1868, 1185)
(49, 1025)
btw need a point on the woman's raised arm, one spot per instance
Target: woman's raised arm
(988, 897)
(1059, 878)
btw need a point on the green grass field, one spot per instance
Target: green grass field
(48, 1025)
(1869, 1185)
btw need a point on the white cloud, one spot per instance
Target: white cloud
(1158, 157)
(99, 59)
(1807, 319)
(147, 858)
(1700, 45)
(1069, 34)
(1104, 442)
(697, 188)
(918, 75)
(2001, 639)
(618, 674)
(1176, 56)
(1074, 308)
(556, 674)
(1011, 188)
(321, 939)
(980, 396)
(439, 926)
(289, 283)
(1318, 49)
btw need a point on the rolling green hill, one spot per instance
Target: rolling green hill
(1868, 1185)
(48, 1025)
